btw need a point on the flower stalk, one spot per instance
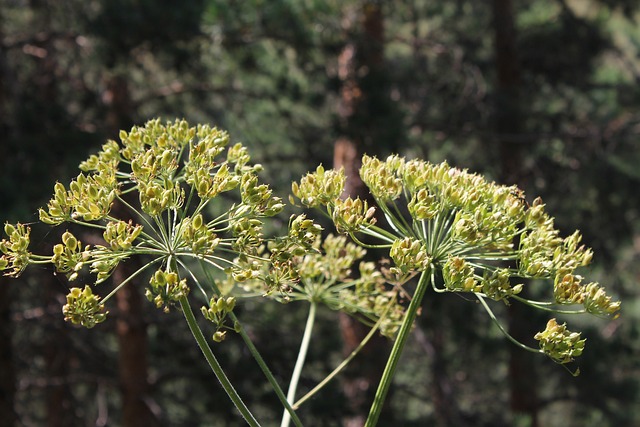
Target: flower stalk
(302, 355)
(214, 364)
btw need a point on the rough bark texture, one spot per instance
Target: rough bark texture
(130, 325)
(132, 358)
(508, 125)
(360, 58)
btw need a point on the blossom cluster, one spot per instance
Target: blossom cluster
(476, 235)
(325, 275)
(162, 176)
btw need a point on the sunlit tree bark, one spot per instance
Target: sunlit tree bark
(361, 61)
(131, 328)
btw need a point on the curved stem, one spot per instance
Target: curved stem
(398, 346)
(393, 222)
(365, 245)
(266, 371)
(137, 213)
(257, 356)
(398, 215)
(381, 233)
(546, 306)
(504, 331)
(214, 364)
(302, 355)
(193, 277)
(433, 282)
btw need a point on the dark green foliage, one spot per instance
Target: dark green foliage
(161, 26)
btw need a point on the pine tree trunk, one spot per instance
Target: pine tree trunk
(363, 51)
(132, 360)
(444, 402)
(130, 325)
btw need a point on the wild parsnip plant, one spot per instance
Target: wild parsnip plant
(439, 223)
(478, 237)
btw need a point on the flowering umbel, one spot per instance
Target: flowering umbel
(187, 201)
(164, 177)
(325, 274)
(477, 236)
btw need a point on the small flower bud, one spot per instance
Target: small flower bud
(219, 336)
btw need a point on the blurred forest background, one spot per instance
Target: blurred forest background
(541, 93)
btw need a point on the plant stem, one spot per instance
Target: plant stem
(258, 358)
(302, 355)
(214, 364)
(267, 372)
(344, 363)
(503, 330)
(396, 351)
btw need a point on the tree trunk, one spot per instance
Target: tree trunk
(444, 402)
(360, 62)
(132, 360)
(508, 126)
(130, 325)
(507, 115)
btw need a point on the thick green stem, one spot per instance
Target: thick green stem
(302, 355)
(396, 351)
(214, 364)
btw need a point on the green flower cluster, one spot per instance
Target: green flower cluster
(84, 308)
(173, 171)
(15, 251)
(166, 288)
(459, 275)
(476, 235)
(350, 215)
(319, 188)
(217, 312)
(152, 193)
(409, 254)
(120, 235)
(559, 343)
(324, 275)
(277, 271)
(69, 257)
